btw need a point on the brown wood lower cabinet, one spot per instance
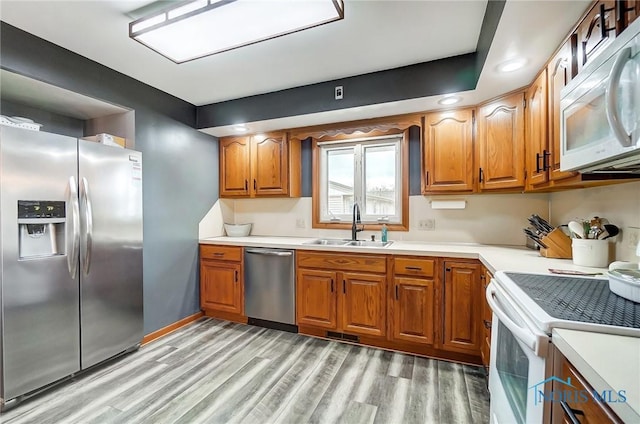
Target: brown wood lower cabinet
(222, 282)
(487, 314)
(337, 295)
(316, 298)
(462, 317)
(413, 313)
(577, 405)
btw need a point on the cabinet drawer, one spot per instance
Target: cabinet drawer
(342, 262)
(414, 266)
(221, 253)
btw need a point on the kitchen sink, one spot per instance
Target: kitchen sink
(368, 243)
(328, 242)
(346, 242)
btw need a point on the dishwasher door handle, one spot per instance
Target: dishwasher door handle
(268, 252)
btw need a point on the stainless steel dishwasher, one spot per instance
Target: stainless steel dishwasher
(269, 287)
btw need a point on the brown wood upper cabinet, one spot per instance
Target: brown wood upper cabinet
(448, 152)
(221, 279)
(500, 143)
(560, 70)
(536, 148)
(462, 307)
(259, 165)
(596, 31)
(335, 292)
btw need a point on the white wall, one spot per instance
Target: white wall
(487, 219)
(619, 203)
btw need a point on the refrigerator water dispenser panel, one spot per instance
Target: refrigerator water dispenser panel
(41, 228)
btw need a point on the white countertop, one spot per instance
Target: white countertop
(495, 258)
(607, 362)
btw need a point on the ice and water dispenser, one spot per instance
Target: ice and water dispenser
(41, 228)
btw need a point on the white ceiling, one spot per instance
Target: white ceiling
(374, 35)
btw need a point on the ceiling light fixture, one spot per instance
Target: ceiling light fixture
(240, 128)
(449, 100)
(195, 29)
(511, 65)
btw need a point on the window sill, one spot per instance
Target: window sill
(367, 227)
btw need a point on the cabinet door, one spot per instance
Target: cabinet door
(448, 152)
(221, 286)
(485, 339)
(501, 143)
(316, 298)
(363, 304)
(462, 307)
(234, 166)
(269, 164)
(536, 131)
(596, 31)
(413, 313)
(632, 11)
(559, 73)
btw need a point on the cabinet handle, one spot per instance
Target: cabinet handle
(447, 269)
(246, 185)
(538, 168)
(413, 268)
(332, 285)
(571, 413)
(255, 184)
(396, 292)
(545, 160)
(218, 254)
(603, 23)
(480, 175)
(426, 177)
(236, 275)
(344, 287)
(487, 324)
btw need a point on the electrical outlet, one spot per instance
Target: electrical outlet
(339, 92)
(632, 235)
(300, 223)
(427, 224)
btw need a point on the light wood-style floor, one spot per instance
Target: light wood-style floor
(219, 372)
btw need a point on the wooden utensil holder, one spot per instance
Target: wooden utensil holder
(558, 245)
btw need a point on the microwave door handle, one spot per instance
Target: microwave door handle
(531, 340)
(611, 97)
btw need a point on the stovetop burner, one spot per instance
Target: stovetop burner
(578, 299)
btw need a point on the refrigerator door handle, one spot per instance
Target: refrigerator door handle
(88, 211)
(72, 254)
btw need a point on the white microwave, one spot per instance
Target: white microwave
(600, 110)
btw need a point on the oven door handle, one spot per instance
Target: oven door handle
(535, 342)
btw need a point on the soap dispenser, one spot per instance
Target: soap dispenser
(383, 234)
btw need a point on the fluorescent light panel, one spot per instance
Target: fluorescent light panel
(201, 28)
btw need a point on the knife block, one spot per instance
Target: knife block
(558, 245)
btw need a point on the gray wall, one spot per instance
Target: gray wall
(180, 166)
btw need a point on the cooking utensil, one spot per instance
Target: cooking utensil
(611, 231)
(572, 272)
(535, 237)
(577, 229)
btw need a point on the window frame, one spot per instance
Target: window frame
(403, 177)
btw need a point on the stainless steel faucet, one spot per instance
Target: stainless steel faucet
(356, 220)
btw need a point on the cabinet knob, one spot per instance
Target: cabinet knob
(246, 185)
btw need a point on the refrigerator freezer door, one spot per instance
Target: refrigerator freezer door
(110, 250)
(39, 317)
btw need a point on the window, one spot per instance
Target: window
(367, 171)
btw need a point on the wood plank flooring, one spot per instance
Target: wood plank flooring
(220, 372)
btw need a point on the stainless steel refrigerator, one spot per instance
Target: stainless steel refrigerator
(70, 257)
